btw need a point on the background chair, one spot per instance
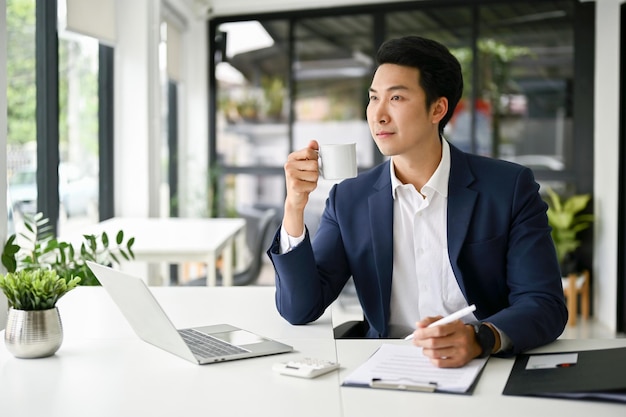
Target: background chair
(353, 329)
(259, 230)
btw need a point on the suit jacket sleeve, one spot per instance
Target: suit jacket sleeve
(354, 239)
(306, 284)
(501, 250)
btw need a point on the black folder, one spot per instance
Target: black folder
(594, 375)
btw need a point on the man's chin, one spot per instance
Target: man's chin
(385, 150)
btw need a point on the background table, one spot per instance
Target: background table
(177, 240)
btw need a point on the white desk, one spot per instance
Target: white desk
(103, 369)
(178, 239)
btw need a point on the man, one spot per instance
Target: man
(426, 233)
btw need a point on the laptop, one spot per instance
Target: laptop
(200, 345)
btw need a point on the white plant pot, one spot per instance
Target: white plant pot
(34, 333)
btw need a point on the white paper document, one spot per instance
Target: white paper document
(405, 367)
(557, 360)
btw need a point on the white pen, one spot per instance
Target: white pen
(448, 319)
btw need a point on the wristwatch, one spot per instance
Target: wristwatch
(485, 338)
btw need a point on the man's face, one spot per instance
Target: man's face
(396, 113)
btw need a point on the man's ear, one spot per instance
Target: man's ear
(439, 109)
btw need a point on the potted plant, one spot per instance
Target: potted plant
(33, 327)
(567, 221)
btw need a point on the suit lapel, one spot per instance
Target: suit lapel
(461, 201)
(381, 221)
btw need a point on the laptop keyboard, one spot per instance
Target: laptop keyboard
(206, 346)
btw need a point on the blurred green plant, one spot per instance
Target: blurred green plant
(39, 249)
(566, 220)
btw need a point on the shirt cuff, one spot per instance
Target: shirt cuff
(505, 342)
(287, 243)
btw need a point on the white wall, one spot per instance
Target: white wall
(3, 147)
(606, 161)
(136, 97)
(193, 118)
(139, 172)
(138, 100)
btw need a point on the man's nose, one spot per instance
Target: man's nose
(381, 115)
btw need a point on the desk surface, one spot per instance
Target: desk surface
(103, 369)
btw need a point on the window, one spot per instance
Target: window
(524, 86)
(252, 73)
(78, 121)
(518, 63)
(78, 131)
(21, 106)
(331, 77)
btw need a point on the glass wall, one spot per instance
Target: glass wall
(525, 85)
(332, 65)
(252, 73)
(518, 63)
(78, 131)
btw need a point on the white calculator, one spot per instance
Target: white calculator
(305, 367)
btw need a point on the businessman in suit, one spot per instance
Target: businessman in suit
(428, 232)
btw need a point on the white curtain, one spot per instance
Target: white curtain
(94, 18)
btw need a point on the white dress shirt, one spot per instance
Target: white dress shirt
(423, 283)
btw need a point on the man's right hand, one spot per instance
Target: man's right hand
(301, 175)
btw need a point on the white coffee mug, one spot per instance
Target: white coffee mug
(338, 161)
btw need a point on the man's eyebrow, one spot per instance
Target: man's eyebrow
(392, 88)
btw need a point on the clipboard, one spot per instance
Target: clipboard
(405, 368)
(585, 375)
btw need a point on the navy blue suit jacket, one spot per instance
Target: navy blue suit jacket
(499, 246)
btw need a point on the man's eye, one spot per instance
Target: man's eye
(373, 98)
(395, 98)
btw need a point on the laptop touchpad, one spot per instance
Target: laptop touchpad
(239, 337)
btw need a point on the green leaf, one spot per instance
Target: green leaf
(120, 237)
(115, 258)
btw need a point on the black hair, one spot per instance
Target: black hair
(440, 71)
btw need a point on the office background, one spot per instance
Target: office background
(162, 125)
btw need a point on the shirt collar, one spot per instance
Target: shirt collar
(437, 182)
